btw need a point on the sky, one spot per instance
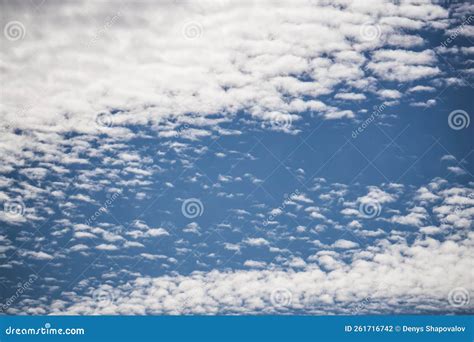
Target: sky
(250, 157)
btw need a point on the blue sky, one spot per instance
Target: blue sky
(253, 158)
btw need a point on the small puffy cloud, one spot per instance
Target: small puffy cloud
(192, 227)
(423, 194)
(376, 194)
(255, 264)
(427, 104)
(350, 96)
(302, 198)
(415, 218)
(389, 94)
(430, 230)
(429, 266)
(403, 65)
(84, 235)
(297, 262)
(149, 256)
(345, 244)
(106, 247)
(154, 232)
(458, 171)
(39, 255)
(354, 224)
(448, 158)
(79, 247)
(421, 88)
(256, 242)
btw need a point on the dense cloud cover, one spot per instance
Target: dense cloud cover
(244, 157)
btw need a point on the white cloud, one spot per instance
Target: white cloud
(39, 255)
(458, 171)
(228, 66)
(403, 66)
(416, 217)
(288, 60)
(430, 270)
(420, 88)
(427, 104)
(79, 247)
(448, 157)
(255, 264)
(389, 94)
(106, 247)
(345, 244)
(256, 242)
(423, 194)
(350, 96)
(301, 198)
